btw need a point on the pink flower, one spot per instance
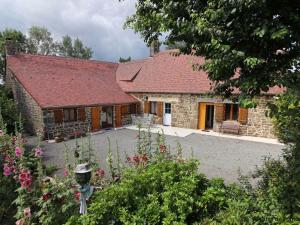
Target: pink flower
(25, 179)
(38, 152)
(163, 148)
(100, 172)
(66, 172)
(77, 195)
(20, 222)
(27, 212)
(46, 197)
(6, 170)
(18, 151)
(1, 133)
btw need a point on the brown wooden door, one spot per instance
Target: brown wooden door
(95, 118)
(118, 116)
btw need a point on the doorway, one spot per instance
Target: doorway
(167, 120)
(209, 120)
(206, 116)
(95, 111)
(107, 117)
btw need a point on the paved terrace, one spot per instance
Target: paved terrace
(220, 155)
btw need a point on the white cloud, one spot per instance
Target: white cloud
(98, 23)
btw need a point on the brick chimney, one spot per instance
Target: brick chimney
(154, 48)
(10, 47)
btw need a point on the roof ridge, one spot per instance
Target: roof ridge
(66, 58)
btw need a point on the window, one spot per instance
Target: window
(133, 109)
(153, 107)
(231, 111)
(81, 114)
(168, 108)
(58, 115)
(70, 115)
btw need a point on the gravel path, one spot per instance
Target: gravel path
(219, 157)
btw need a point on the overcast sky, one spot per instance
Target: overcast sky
(98, 23)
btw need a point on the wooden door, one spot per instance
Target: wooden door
(95, 118)
(201, 116)
(118, 116)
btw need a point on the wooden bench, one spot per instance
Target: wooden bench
(230, 126)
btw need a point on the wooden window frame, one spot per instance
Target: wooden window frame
(69, 110)
(231, 112)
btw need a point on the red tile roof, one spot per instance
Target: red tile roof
(64, 82)
(167, 73)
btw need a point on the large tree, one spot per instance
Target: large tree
(19, 40)
(41, 42)
(248, 44)
(259, 38)
(75, 48)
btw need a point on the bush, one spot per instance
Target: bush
(165, 192)
(8, 109)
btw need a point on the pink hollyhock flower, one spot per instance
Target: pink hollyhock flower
(1, 133)
(38, 152)
(163, 148)
(136, 159)
(66, 172)
(100, 172)
(6, 170)
(18, 151)
(46, 197)
(20, 222)
(77, 195)
(27, 212)
(25, 179)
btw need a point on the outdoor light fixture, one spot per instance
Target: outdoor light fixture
(83, 174)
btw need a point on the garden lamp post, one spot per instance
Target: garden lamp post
(83, 174)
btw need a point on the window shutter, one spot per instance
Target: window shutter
(219, 112)
(118, 116)
(160, 109)
(243, 115)
(81, 114)
(58, 115)
(146, 107)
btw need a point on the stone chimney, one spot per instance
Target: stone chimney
(10, 47)
(154, 48)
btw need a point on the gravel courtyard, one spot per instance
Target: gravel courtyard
(219, 157)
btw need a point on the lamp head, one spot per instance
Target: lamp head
(83, 174)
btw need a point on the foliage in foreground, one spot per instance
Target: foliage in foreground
(157, 187)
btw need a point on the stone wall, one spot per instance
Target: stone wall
(258, 123)
(126, 119)
(184, 107)
(185, 112)
(66, 129)
(26, 105)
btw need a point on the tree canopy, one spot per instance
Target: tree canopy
(258, 38)
(125, 59)
(75, 48)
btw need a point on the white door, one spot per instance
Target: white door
(167, 114)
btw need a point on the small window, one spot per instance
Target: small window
(81, 114)
(231, 112)
(153, 107)
(70, 115)
(168, 108)
(58, 116)
(133, 109)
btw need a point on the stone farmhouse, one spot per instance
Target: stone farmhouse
(66, 96)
